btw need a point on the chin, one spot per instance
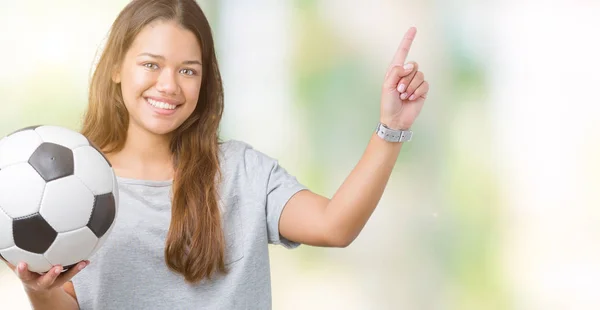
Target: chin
(163, 130)
(160, 128)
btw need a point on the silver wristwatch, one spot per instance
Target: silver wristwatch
(393, 135)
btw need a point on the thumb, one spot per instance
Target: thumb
(395, 73)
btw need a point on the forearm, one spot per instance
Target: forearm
(355, 201)
(56, 299)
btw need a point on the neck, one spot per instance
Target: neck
(144, 156)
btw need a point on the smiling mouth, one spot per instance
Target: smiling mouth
(160, 104)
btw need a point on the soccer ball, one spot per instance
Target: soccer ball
(58, 198)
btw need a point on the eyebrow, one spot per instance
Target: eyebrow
(187, 62)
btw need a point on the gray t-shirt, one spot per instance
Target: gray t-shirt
(129, 271)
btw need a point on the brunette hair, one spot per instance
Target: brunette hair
(195, 242)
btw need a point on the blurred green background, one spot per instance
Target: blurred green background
(491, 206)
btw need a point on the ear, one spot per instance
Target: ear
(116, 75)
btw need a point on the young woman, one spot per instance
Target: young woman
(197, 214)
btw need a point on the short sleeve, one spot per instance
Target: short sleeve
(275, 186)
(281, 186)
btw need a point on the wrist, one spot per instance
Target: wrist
(393, 135)
(394, 125)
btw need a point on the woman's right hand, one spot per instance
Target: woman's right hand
(35, 283)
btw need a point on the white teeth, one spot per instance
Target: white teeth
(161, 105)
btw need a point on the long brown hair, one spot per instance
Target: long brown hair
(195, 242)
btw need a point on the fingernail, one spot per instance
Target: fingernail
(21, 267)
(57, 270)
(408, 66)
(401, 88)
(412, 97)
(81, 266)
(403, 96)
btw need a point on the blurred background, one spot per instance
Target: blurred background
(493, 205)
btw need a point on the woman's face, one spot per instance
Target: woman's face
(160, 77)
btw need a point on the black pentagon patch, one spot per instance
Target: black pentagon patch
(103, 214)
(33, 233)
(52, 161)
(99, 151)
(24, 129)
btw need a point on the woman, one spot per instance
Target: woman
(197, 214)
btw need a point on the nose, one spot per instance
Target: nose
(167, 83)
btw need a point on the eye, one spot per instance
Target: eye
(150, 65)
(188, 71)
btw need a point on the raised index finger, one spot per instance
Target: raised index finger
(404, 47)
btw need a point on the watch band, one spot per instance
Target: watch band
(393, 135)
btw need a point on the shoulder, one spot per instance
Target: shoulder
(232, 147)
(235, 153)
(245, 170)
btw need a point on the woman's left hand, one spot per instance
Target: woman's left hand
(404, 89)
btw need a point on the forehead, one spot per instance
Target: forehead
(169, 39)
